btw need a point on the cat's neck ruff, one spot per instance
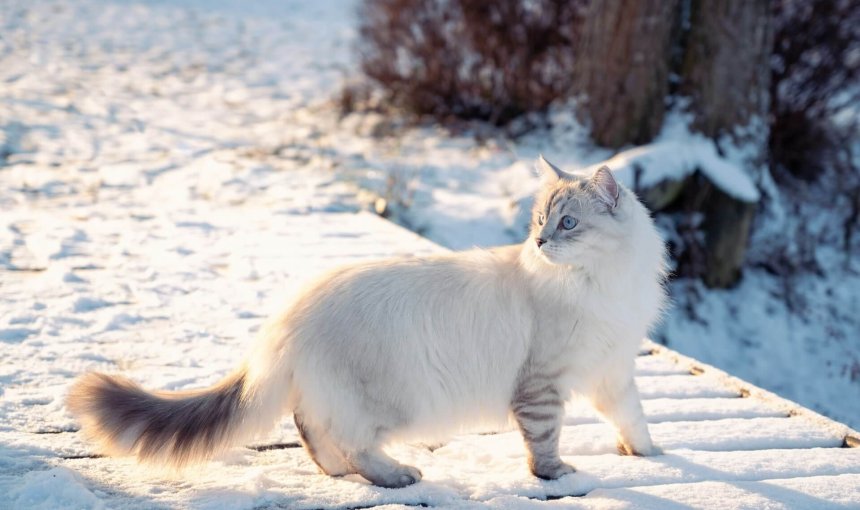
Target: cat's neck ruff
(548, 280)
(536, 264)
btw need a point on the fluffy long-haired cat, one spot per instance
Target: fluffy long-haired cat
(418, 348)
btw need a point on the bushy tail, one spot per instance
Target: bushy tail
(175, 428)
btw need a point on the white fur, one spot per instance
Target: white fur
(421, 348)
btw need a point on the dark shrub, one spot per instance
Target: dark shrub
(470, 59)
(815, 75)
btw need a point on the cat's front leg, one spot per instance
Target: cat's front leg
(538, 409)
(617, 399)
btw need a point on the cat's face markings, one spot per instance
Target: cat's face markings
(574, 214)
(557, 215)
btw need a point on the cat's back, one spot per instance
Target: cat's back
(422, 278)
(450, 332)
(464, 297)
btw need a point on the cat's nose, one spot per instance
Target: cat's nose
(540, 241)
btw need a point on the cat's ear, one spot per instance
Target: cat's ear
(550, 172)
(604, 186)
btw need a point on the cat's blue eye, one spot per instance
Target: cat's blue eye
(568, 222)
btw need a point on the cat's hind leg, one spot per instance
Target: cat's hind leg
(322, 448)
(538, 409)
(380, 469)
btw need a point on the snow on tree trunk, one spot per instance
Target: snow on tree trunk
(622, 66)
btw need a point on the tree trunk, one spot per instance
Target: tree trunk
(726, 68)
(727, 227)
(622, 67)
(725, 73)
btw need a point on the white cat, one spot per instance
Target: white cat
(421, 348)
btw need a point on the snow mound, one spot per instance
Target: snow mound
(675, 159)
(55, 488)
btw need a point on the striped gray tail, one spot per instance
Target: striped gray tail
(176, 428)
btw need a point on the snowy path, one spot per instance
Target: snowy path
(179, 315)
(168, 177)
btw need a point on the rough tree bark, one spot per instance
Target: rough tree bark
(726, 71)
(622, 66)
(726, 76)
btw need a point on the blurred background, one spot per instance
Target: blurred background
(736, 122)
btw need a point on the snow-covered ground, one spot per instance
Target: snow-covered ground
(172, 298)
(171, 170)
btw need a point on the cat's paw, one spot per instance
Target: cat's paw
(405, 475)
(552, 471)
(647, 450)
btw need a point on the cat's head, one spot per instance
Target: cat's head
(577, 220)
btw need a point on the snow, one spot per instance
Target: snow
(676, 159)
(815, 492)
(675, 154)
(719, 455)
(54, 488)
(172, 171)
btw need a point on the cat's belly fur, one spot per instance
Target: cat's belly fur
(438, 357)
